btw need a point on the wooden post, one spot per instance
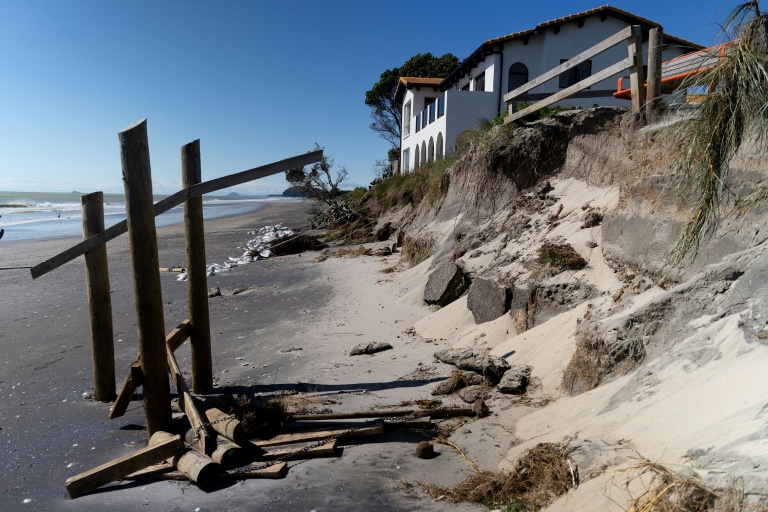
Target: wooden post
(197, 282)
(99, 301)
(194, 465)
(655, 40)
(137, 178)
(636, 77)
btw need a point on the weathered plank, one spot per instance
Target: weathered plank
(317, 435)
(120, 468)
(195, 419)
(174, 200)
(450, 412)
(587, 82)
(636, 75)
(277, 470)
(174, 340)
(328, 448)
(572, 63)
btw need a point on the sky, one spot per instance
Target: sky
(255, 81)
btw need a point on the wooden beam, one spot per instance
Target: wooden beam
(328, 448)
(124, 466)
(228, 454)
(195, 419)
(572, 63)
(655, 41)
(197, 282)
(147, 292)
(196, 466)
(436, 413)
(636, 78)
(99, 300)
(587, 82)
(277, 470)
(174, 200)
(230, 428)
(174, 340)
(301, 437)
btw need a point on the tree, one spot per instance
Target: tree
(385, 111)
(318, 182)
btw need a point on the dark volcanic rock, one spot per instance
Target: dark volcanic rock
(369, 348)
(458, 380)
(487, 300)
(471, 394)
(490, 367)
(383, 233)
(445, 284)
(515, 380)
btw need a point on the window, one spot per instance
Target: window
(480, 82)
(406, 160)
(466, 87)
(440, 106)
(418, 122)
(575, 75)
(518, 76)
(407, 119)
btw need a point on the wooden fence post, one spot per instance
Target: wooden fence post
(99, 301)
(636, 77)
(137, 178)
(197, 282)
(655, 41)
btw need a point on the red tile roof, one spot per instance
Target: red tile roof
(406, 81)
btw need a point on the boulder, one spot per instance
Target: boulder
(383, 233)
(458, 380)
(487, 300)
(382, 251)
(480, 409)
(214, 292)
(490, 367)
(515, 380)
(446, 284)
(293, 244)
(471, 394)
(369, 348)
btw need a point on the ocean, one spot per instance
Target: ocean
(46, 215)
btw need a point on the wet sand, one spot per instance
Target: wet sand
(49, 431)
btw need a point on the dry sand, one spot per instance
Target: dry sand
(49, 431)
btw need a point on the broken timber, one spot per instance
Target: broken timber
(318, 435)
(434, 414)
(196, 466)
(176, 199)
(117, 469)
(328, 448)
(173, 340)
(195, 419)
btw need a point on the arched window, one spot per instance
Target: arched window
(416, 160)
(439, 147)
(423, 153)
(431, 150)
(518, 76)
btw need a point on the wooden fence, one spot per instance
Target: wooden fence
(631, 35)
(155, 358)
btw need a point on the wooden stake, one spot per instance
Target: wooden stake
(655, 40)
(196, 466)
(197, 282)
(99, 301)
(174, 340)
(201, 432)
(117, 469)
(137, 178)
(636, 76)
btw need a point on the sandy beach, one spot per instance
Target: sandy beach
(50, 430)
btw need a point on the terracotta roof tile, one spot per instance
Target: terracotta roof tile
(420, 81)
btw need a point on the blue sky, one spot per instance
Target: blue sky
(255, 81)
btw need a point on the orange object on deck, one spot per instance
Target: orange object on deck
(676, 71)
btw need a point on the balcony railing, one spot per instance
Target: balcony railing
(429, 115)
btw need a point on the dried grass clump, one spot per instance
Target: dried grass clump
(346, 252)
(538, 479)
(416, 250)
(560, 257)
(430, 181)
(261, 418)
(594, 359)
(735, 111)
(592, 218)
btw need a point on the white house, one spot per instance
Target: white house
(437, 110)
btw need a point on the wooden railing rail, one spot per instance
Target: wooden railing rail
(176, 199)
(634, 62)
